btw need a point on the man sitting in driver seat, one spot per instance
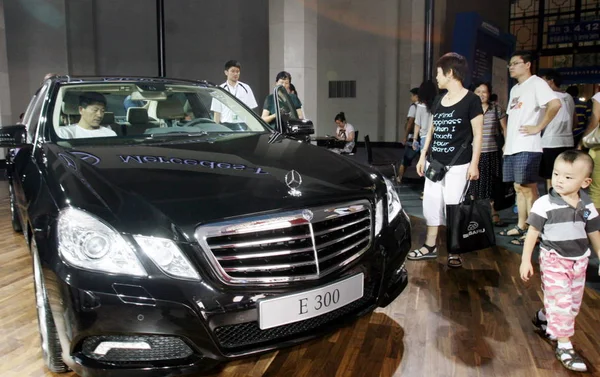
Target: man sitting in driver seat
(91, 108)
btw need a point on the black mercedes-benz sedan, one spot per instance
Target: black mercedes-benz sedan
(164, 242)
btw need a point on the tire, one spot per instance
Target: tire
(51, 350)
(14, 213)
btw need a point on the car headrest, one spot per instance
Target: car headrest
(109, 118)
(137, 115)
(170, 109)
(70, 105)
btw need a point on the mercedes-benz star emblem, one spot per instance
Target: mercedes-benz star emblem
(293, 180)
(308, 215)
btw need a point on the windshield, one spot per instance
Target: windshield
(148, 110)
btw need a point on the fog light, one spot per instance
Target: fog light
(104, 347)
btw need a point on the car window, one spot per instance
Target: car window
(134, 110)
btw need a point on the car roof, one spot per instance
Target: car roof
(66, 80)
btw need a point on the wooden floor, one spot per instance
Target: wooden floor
(473, 321)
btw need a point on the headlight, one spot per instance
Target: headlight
(393, 201)
(378, 217)
(167, 256)
(87, 242)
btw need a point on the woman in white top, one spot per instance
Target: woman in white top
(344, 132)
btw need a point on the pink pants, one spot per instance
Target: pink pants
(563, 283)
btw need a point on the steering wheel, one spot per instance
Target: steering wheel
(196, 121)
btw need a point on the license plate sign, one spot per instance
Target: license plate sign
(309, 304)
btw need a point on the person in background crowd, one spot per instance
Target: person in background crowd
(456, 126)
(410, 117)
(293, 91)
(128, 102)
(238, 89)
(558, 135)
(268, 113)
(494, 124)
(344, 132)
(48, 76)
(565, 218)
(493, 98)
(523, 146)
(581, 113)
(421, 120)
(595, 151)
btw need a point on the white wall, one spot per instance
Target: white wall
(117, 37)
(380, 45)
(203, 35)
(35, 45)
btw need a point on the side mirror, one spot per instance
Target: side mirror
(299, 127)
(13, 136)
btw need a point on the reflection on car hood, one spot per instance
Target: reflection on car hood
(154, 188)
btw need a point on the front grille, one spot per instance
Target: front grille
(298, 245)
(161, 348)
(249, 333)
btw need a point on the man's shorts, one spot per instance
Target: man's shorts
(521, 168)
(548, 157)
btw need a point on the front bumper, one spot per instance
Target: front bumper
(192, 328)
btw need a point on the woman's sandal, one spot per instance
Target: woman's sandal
(520, 232)
(571, 359)
(497, 221)
(454, 261)
(417, 254)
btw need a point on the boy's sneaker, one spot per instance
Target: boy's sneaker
(570, 359)
(542, 325)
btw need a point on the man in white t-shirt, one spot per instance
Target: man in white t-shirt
(523, 146)
(558, 135)
(91, 108)
(238, 89)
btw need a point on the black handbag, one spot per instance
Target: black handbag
(503, 195)
(469, 225)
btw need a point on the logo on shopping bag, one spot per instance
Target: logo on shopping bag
(473, 229)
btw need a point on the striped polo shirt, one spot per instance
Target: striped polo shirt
(565, 228)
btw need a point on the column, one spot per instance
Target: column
(293, 47)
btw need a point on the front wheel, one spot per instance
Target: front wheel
(14, 214)
(51, 350)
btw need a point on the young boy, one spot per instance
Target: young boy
(566, 218)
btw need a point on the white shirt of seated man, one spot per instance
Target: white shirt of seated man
(89, 124)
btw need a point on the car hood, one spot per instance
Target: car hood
(162, 187)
